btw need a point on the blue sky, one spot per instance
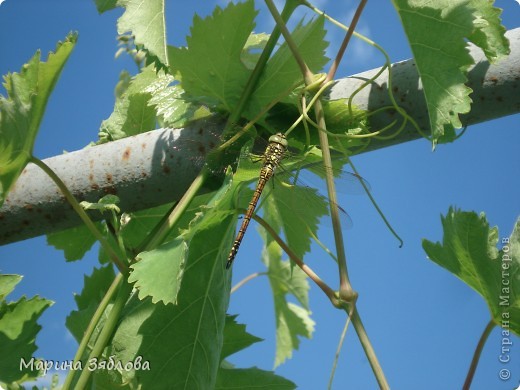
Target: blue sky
(423, 322)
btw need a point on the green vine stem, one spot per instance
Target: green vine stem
(379, 211)
(157, 236)
(346, 292)
(369, 351)
(245, 280)
(106, 333)
(338, 350)
(476, 355)
(387, 65)
(347, 296)
(289, 7)
(329, 292)
(123, 268)
(335, 64)
(115, 286)
(308, 76)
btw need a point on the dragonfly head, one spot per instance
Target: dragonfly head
(279, 138)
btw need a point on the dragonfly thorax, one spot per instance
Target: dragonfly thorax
(279, 138)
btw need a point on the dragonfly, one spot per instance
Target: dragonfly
(271, 159)
(273, 154)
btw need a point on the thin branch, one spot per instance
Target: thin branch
(245, 280)
(335, 64)
(338, 350)
(114, 287)
(329, 292)
(476, 355)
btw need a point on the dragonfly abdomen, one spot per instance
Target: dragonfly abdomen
(272, 156)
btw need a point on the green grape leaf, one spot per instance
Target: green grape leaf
(106, 203)
(437, 32)
(235, 337)
(94, 289)
(159, 272)
(132, 113)
(105, 5)
(468, 250)
(282, 74)
(74, 242)
(18, 330)
(22, 111)
(7, 284)
(170, 104)
(145, 20)
(251, 378)
(183, 342)
(283, 210)
(489, 33)
(252, 49)
(292, 320)
(221, 37)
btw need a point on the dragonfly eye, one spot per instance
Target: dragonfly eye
(279, 138)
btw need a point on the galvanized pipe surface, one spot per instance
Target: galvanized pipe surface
(157, 167)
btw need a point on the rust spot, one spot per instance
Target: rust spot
(143, 146)
(26, 222)
(110, 190)
(48, 216)
(91, 164)
(109, 177)
(91, 177)
(2, 216)
(493, 79)
(201, 131)
(126, 154)
(94, 186)
(144, 174)
(166, 169)
(212, 144)
(395, 89)
(499, 99)
(28, 207)
(202, 149)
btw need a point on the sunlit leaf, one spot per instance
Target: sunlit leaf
(18, 330)
(252, 49)
(221, 37)
(183, 342)
(145, 20)
(282, 73)
(159, 273)
(7, 284)
(437, 32)
(132, 113)
(22, 111)
(292, 321)
(469, 251)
